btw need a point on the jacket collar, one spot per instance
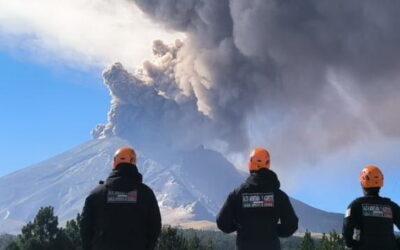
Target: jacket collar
(264, 177)
(125, 177)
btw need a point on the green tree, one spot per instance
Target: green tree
(333, 242)
(336, 240)
(307, 242)
(42, 234)
(175, 239)
(5, 240)
(72, 232)
(13, 246)
(194, 243)
(209, 245)
(171, 239)
(324, 243)
(211, 240)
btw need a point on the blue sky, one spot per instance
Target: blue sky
(333, 183)
(46, 109)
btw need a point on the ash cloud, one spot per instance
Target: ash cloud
(302, 78)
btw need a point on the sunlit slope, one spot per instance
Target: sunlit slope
(190, 186)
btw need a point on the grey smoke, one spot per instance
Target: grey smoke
(299, 77)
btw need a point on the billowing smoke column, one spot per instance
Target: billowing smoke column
(299, 77)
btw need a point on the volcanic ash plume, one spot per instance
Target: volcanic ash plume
(299, 77)
(150, 111)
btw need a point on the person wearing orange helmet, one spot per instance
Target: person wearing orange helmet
(369, 220)
(123, 212)
(258, 210)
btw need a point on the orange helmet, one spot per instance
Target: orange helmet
(124, 155)
(259, 158)
(371, 176)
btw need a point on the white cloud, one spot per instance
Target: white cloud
(79, 32)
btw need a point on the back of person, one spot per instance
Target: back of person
(369, 220)
(258, 210)
(375, 222)
(121, 225)
(121, 214)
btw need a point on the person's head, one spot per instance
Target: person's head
(124, 155)
(371, 179)
(259, 159)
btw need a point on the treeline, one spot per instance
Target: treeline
(332, 241)
(5, 240)
(44, 233)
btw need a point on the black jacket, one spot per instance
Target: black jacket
(260, 213)
(368, 223)
(121, 214)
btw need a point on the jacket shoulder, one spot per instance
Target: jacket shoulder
(235, 193)
(356, 202)
(396, 208)
(281, 193)
(282, 198)
(388, 200)
(240, 189)
(97, 190)
(146, 191)
(392, 203)
(145, 188)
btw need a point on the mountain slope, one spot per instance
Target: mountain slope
(191, 186)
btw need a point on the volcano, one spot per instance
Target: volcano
(190, 186)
